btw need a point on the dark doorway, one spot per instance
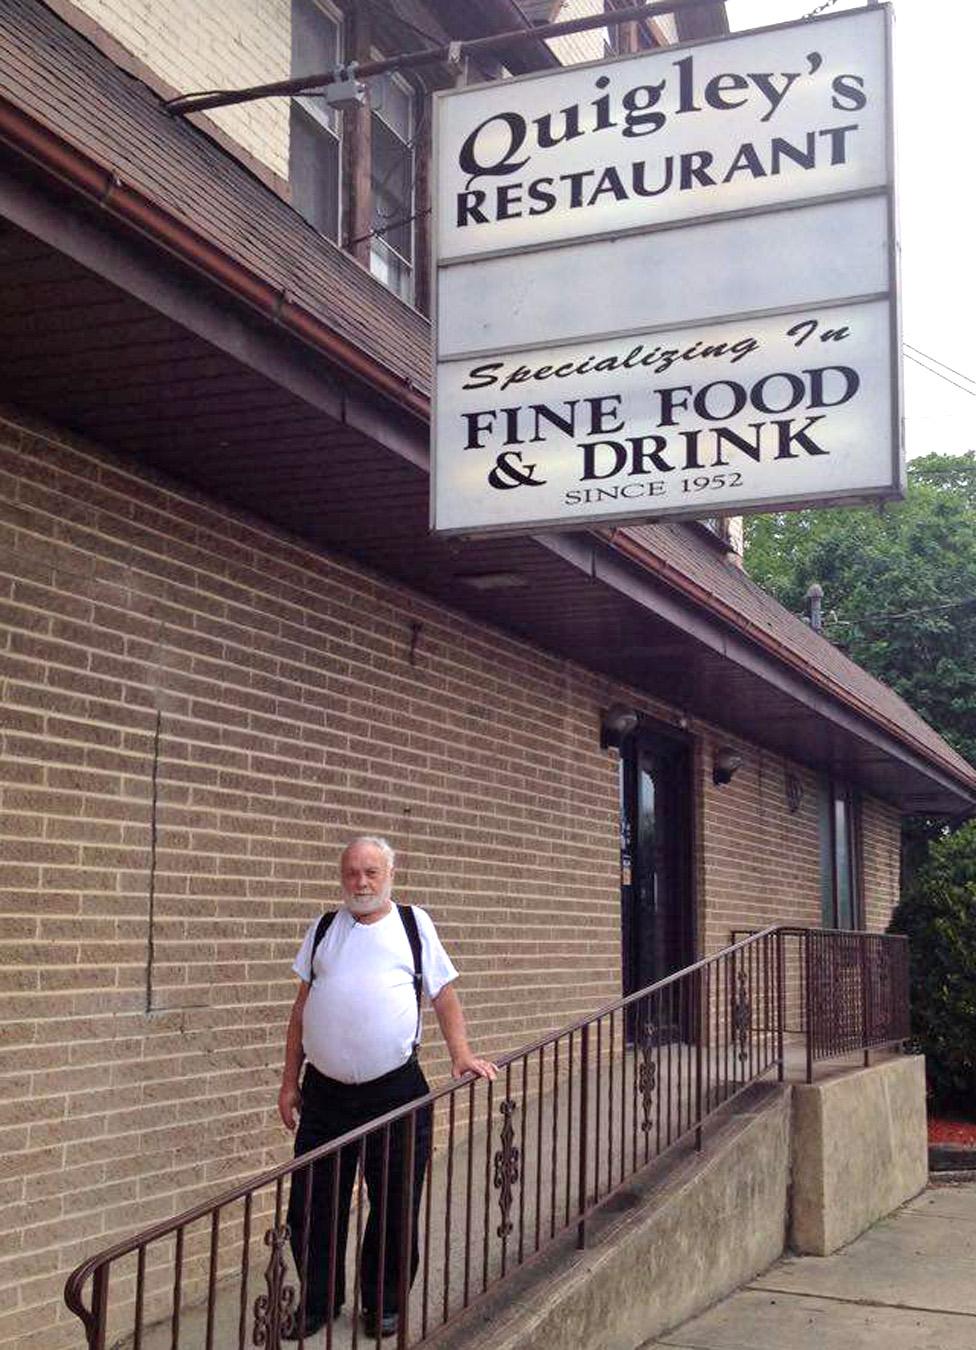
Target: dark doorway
(656, 857)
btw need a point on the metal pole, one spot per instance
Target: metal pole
(865, 999)
(409, 1146)
(699, 1032)
(808, 967)
(584, 1129)
(99, 1313)
(780, 1006)
(449, 52)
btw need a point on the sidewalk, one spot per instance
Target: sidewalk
(909, 1283)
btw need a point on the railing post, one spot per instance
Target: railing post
(99, 1310)
(808, 974)
(584, 1131)
(780, 1006)
(409, 1145)
(699, 1032)
(865, 999)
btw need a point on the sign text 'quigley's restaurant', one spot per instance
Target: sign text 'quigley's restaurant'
(665, 284)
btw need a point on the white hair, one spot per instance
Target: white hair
(374, 841)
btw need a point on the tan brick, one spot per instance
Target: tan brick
(29, 1162)
(27, 1325)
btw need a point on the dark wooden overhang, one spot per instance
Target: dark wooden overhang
(313, 418)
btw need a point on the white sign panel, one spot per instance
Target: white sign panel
(665, 284)
(775, 260)
(750, 121)
(768, 411)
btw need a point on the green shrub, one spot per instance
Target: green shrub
(938, 914)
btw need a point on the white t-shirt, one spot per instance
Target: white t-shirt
(360, 1016)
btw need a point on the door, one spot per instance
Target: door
(656, 858)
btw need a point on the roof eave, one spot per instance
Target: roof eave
(887, 735)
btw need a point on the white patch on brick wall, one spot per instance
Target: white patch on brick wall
(579, 47)
(195, 45)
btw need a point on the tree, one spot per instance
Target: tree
(950, 473)
(900, 596)
(938, 914)
(899, 586)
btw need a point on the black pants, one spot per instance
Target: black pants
(330, 1109)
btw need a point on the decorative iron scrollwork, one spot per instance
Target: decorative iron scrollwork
(506, 1167)
(742, 1016)
(275, 1311)
(647, 1077)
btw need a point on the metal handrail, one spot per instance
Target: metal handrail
(167, 1227)
(714, 1001)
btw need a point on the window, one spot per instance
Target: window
(840, 873)
(314, 154)
(392, 181)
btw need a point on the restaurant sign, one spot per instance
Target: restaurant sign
(665, 285)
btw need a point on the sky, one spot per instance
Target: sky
(934, 120)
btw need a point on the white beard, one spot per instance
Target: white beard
(361, 905)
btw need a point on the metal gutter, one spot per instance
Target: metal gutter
(104, 188)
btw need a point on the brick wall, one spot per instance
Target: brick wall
(264, 696)
(194, 46)
(881, 862)
(762, 860)
(170, 671)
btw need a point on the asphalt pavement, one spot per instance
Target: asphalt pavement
(908, 1283)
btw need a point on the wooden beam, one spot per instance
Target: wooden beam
(357, 145)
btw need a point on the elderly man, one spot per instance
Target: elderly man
(356, 1021)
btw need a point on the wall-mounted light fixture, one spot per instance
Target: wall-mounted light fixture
(616, 723)
(725, 764)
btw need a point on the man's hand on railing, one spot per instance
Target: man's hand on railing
(469, 1063)
(289, 1101)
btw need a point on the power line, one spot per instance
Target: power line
(904, 614)
(931, 371)
(380, 230)
(936, 362)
